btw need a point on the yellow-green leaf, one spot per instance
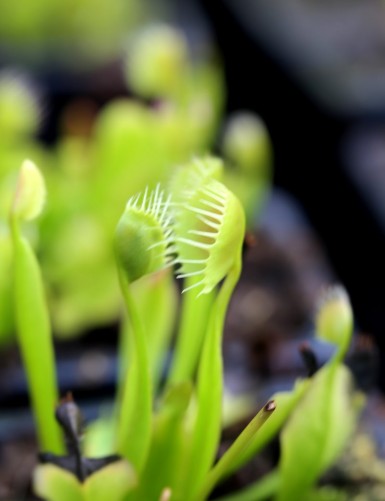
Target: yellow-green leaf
(55, 484)
(30, 192)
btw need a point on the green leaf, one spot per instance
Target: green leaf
(208, 420)
(55, 484)
(317, 431)
(134, 426)
(35, 340)
(99, 437)
(157, 293)
(113, 482)
(30, 192)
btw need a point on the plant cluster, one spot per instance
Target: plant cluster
(166, 424)
(160, 441)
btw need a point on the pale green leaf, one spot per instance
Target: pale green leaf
(55, 484)
(112, 482)
(30, 192)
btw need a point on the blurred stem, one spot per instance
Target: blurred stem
(160, 303)
(134, 417)
(35, 340)
(193, 325)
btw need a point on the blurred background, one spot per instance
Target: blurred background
(73, 94)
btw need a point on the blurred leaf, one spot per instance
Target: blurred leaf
(317, 431)
(157, 61)
(30, 192)
(113, 482)
(55, 484)
(334, 321)
(246, 144)
(19, 109)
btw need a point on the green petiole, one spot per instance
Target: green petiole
(35, 341)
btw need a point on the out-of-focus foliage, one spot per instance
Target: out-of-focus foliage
(72, 33)
(99, 160)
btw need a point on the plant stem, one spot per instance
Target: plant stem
(124, 352)
(193, 325)
(35, 340)
(135, 416)
(224, 465)
(156, 303)
(207, 428)
(159, 307)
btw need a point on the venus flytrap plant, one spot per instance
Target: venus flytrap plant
(142, 242)
(182, 427)
(209, 243)
(203, 237)
(32, 320)
(195, 307)
(171, 438)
